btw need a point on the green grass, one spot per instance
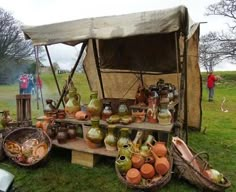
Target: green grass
(58, 174)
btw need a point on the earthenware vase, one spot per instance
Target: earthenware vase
(94, 108)
(152, 110)
(124, 138)
(164, 115)
(123, 164)
(110, 140)
(122, 108)
(73, 104)
(107, 111)
(95, 134)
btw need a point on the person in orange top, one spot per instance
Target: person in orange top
(211, 79)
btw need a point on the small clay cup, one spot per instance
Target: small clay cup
(133, 176)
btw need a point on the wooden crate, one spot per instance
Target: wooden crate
(84, 158)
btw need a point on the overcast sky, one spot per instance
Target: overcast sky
(39, 12)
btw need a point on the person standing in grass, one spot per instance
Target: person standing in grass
(211, 79)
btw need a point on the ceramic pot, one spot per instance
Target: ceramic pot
(122, 108)
(94, 108)
(73, 104)
(95, 134)
(125, 150)
(159, 148)
(123, 164)
(164, 115)
(107, 111)
(51, 132)
(62, 135)
(137, 160)
(144, 149)
(147, 171)
(110, 140)
(162, 164)
(71, 132)
(123, 138)
(152, 110)
(81, 115)
(133, 176)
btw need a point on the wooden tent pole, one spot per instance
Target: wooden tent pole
(186, 89)
(53, 72)
(72, 73)
(95, 51)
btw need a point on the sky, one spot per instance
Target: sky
(40, 12)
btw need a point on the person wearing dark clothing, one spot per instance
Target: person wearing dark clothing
(211, 79)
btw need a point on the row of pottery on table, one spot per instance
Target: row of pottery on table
(149, 165)
(95, 108)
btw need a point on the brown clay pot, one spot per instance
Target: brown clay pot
(159, 148)
(147, 171)
(162, 165)
(81, 115)
(133, 176)
(137, 161)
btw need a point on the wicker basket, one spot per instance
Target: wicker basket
(20, 136)
(150, 186)
(197, 178)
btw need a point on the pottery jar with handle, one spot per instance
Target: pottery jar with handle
(123, 164)
(162, 165)
(159, 148)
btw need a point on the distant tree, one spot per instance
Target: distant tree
(209, 56)
(13, 46)
(56, 66)
(226, 40)
(14, 49)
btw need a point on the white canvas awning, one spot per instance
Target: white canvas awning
(72, 32)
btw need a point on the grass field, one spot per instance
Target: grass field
(217, 138)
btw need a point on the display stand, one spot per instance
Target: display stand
(83, 155)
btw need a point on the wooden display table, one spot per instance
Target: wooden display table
(83, 155)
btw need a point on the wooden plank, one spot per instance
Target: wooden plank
(143, 125)
(83, 158)
(80, 145)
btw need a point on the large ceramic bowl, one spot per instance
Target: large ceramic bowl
(27, 146)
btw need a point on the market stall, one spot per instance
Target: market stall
(127, 55)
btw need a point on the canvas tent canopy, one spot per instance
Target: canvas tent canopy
(124, 50)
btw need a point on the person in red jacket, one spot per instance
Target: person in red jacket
(211, 85)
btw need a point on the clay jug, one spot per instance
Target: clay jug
(144, 149)
(137, 160)
(95, 134)
(162, 165)
(107, 111)
(71, 132)
(73, 104)
(123, 138)
(125, 150)
(133, 176)
(147, 171)
(122, 108)
(81, 115)
(164, 115)
(152, 110)
(159, 148)
(123, 164)
(62, 135)
(110, 140)
(94, 107)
